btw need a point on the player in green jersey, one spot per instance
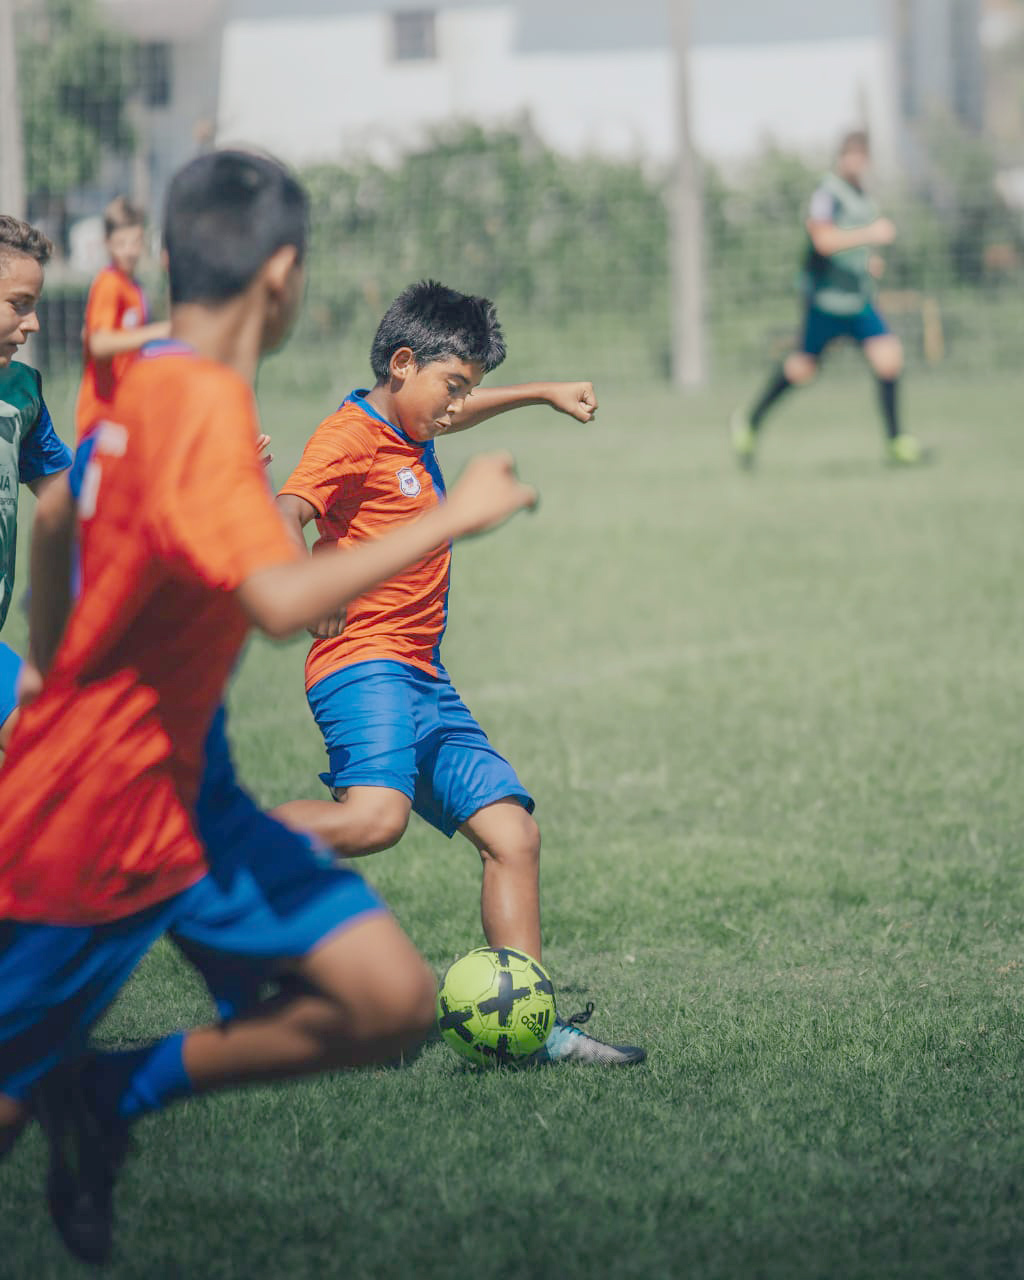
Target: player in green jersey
(841, 268)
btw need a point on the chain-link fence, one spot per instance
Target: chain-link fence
(574, 250)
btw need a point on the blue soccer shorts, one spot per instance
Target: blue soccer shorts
(270, 896)
(386, 724)
(821, 328)
(10, 666)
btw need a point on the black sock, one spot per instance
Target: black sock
(887, 395)
(775, 389)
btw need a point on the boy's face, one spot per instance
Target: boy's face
(427, 395)
(125, 246)
(854, 164)
(21, 283)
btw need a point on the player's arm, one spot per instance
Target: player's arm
(296, 513)
(50, 560)
(40, 485)
(577, 399)
(104, 344)
(284, 598)
(828, 239)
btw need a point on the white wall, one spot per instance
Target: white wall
(803, 95)
(316, 87)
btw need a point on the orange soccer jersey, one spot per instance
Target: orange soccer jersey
(116, 301)
(364, 475)
(99, 786)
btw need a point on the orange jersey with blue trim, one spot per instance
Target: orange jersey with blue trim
(116, 301)
(99, 785)
(363, 475)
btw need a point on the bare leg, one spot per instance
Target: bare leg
(364, 819)
(885, 356)
(374, 998)
(508, 840)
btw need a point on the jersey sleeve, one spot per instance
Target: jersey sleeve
(335, 462)
(823, 206)
(42, 452)
(101, 308)
(214, 520)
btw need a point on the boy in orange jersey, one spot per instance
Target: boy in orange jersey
(151, 834)
(117, 324)
(398, 736)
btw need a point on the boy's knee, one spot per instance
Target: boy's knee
(519, 842)
(800, 368)
(417, 1006)
(404, 1008)
(382, 817)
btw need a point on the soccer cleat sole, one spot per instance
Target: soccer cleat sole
(599, 1054)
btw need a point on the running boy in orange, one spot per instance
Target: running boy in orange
(117, 322)
(176, 564)
(398, 736)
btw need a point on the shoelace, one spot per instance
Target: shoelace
(578, 1019)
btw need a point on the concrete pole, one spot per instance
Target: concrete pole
(12, 154)
(689, 325)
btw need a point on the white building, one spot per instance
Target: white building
(316, 79)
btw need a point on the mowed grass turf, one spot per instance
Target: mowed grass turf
(773, 726)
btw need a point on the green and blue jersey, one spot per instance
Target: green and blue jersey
(29, 449)
(840, 284)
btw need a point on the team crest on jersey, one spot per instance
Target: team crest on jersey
(407, 482)
(131, 318)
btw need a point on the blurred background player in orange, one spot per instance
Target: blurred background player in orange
(117, 324)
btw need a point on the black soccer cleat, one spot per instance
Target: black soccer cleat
(86, 1152)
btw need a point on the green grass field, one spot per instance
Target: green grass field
(773, 725)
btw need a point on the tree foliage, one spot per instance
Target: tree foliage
(76, 79)
(491, 211)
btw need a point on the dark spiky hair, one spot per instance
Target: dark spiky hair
(437, 323)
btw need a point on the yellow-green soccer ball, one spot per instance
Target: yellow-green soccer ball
(495, 1005)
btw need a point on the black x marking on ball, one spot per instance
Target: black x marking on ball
(543, 984)
(455, 1020)
(505, 1000)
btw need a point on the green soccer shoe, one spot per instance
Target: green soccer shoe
(904, 451)
(744, 439)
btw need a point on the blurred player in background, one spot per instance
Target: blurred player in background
(117, 324)
(122, 758)
(398, 736)
(31, 452)
(841, 268)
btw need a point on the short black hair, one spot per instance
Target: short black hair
(437, 323)
(227, 212)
